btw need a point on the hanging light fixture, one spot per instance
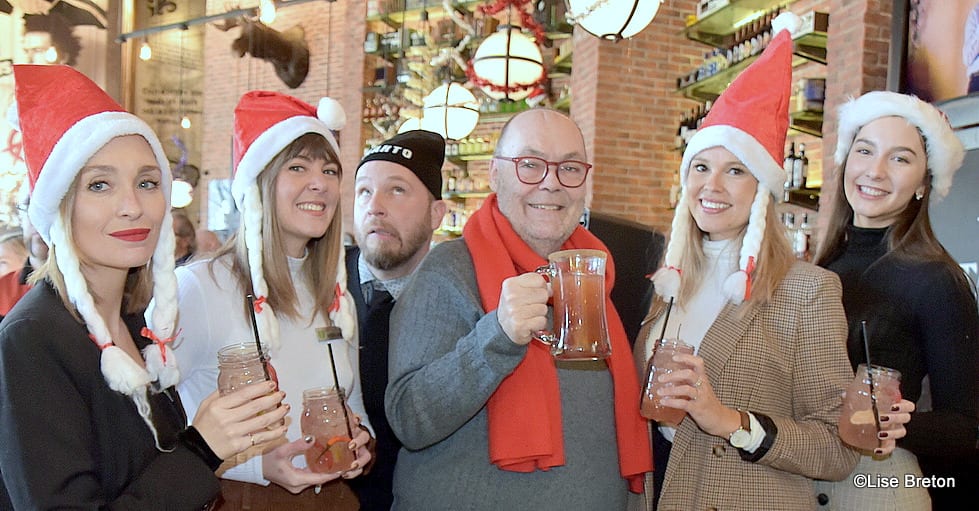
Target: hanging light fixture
(613, 19)
(410, 124)
(451, 111)
(508, 64)
(181, 193)
(266, 11)
(145, 51)
(184, 118)
(51, 55)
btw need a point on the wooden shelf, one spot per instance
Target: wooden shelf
(812, 46)
(717, 28)
(808, 122)
(396, 19)
(808, 198)
(467, 195)
(711, 87)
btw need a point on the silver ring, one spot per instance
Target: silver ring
(251, 438)
(700, 382)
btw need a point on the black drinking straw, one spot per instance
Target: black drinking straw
(258, 341)
(336, 385)
(669, 307)
(870, 378)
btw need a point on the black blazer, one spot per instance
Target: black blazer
(68, 440)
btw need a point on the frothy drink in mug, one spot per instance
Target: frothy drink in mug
(858, 426)
(659, 364)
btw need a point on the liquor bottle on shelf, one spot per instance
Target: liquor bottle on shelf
(450, 183)
(800, 169)
(465, 184)
(788, 220)
(800, 239)
(789, 166)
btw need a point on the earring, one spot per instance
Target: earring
(919, 195)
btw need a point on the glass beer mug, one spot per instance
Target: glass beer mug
(578, 285)
(858, 423)
(327, 419)
(659, 364)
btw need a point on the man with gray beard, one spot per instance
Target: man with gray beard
(397, 205)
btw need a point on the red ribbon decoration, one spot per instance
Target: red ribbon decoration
(337, 293)
(678, 270)
(100, 345)
(162, 343)
(747, 273)
(258, 303)
(15, 146)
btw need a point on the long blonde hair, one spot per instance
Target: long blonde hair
(320, 266)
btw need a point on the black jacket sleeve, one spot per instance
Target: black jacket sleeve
(68, 441)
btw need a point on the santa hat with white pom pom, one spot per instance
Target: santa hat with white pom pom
(750, 119)
(265, 124)
(64, 119)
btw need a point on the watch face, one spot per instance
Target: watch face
(740, 438)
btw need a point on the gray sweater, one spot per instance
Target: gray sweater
(447, 358)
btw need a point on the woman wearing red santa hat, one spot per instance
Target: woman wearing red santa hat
(288, 254)
(894, 153)
(90, 417)
(762, 392)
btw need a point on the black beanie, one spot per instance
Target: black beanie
(419, 151)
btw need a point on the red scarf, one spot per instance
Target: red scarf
(530, 394)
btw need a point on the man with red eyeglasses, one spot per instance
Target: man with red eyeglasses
(488, 419)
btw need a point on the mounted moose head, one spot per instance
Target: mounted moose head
(287, 51)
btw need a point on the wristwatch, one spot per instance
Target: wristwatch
(741, 436)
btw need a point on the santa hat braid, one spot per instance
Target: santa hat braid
(252, 217)
(121, 372)
(737, 286)
(666, 280)
(161, 320)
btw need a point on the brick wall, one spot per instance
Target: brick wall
(334, 34)
(624, 97)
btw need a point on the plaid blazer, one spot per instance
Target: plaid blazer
(786, 359)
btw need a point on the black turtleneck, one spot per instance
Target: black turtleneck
(924, 323)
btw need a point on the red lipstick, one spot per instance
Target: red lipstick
(131, 234)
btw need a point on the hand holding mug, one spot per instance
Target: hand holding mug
(523, 307)
(241, 419)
